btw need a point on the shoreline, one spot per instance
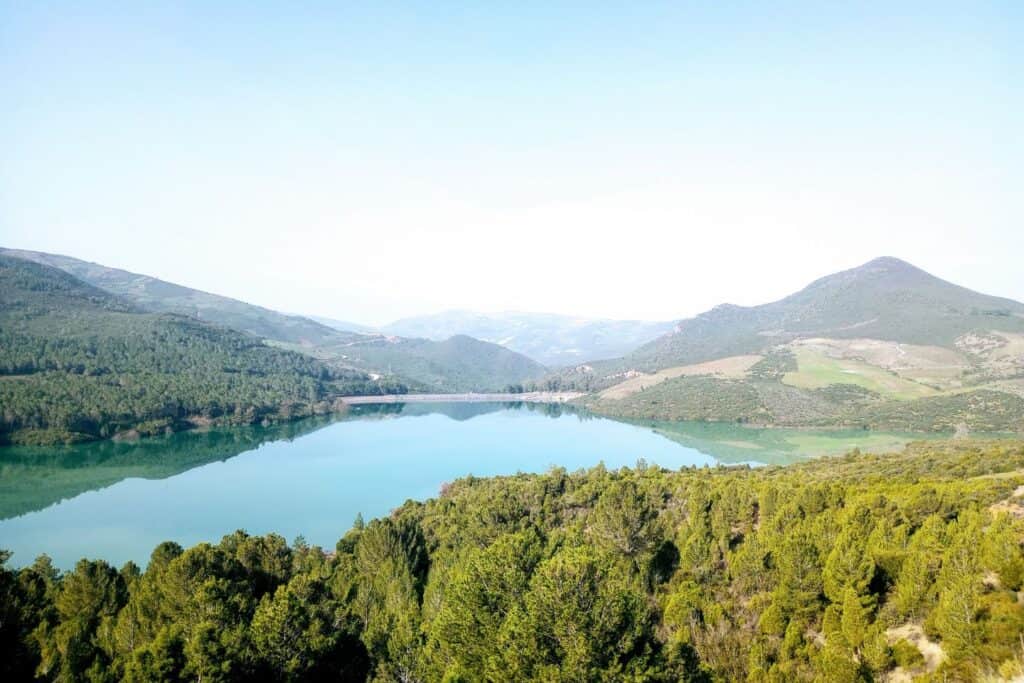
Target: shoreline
(338, 406)
(469, 397)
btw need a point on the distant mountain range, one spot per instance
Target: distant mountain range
(551, 339)
(548, 338)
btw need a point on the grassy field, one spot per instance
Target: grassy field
(930, 365)
(733, 367)
(817, 370)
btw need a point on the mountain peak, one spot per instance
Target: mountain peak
(885, 299)
(884, 271)
(889, 263)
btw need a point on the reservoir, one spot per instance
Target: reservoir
(117, 500)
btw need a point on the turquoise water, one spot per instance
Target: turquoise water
(116, 501)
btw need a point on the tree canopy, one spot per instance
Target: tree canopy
(833, 570)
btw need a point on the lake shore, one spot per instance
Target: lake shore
(526, 397)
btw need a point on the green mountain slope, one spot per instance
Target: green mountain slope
(550, 339)
(886, 299)
(460, 363)
(415, 364)
(80, 363)
(159, 296)
(884, 345)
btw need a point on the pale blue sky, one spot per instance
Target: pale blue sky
(628, 160)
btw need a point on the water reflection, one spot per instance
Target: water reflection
(118, 500)
(35, 477)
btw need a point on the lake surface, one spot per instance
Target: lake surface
(117, 501)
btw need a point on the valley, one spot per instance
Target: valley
(544, 342)
(883, 346)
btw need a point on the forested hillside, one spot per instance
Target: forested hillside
(419, 364)
(766, 402)
(847, 569)
(159, 296)
(457, 364)
(881, 346)
(79, 363)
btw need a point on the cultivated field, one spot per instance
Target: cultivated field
(733, 367)
(817, 369)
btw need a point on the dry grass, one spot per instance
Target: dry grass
(932, 652)
(1000, 355)
(732, 367)
(1012, 505)
(931, 365)
(1013, 386)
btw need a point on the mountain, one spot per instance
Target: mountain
(886, 299)
(457, 364)
(416, 364)
(550, 339)
(884, 345)
(159, 296)
(79, 363)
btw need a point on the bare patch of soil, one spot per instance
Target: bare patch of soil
(931, 651)
(730, 368)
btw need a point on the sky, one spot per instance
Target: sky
(369, 161)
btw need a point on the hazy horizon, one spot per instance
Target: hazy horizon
(507, 312)
(375, 163)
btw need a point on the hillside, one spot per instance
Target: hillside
(79, 363)
(159, 296)
(400, 364)
(886, 299)
(459, 363)
(846, 569)
(884, 345)
(552, 340)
